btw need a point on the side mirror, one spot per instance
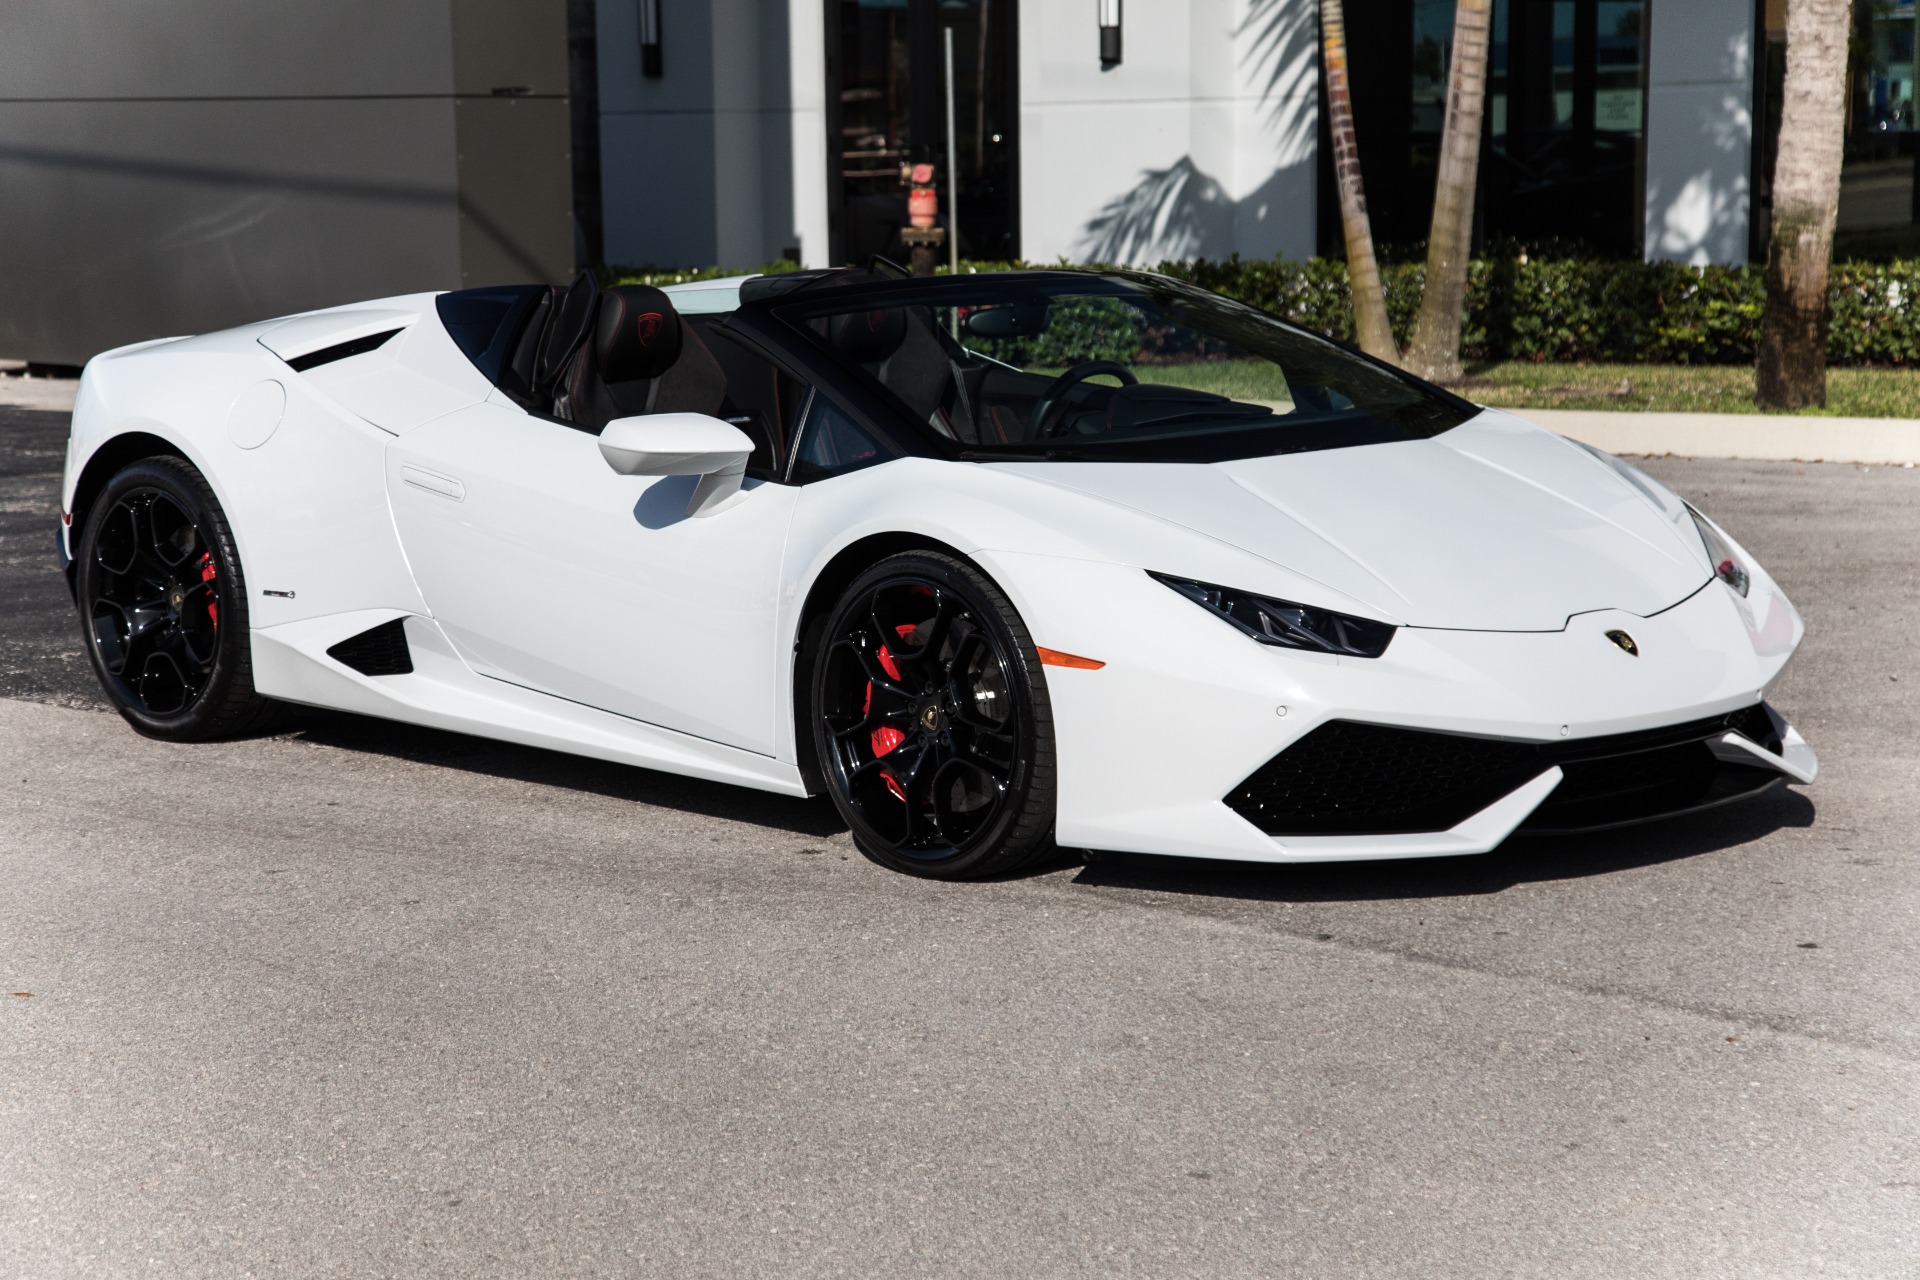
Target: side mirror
(681, 444)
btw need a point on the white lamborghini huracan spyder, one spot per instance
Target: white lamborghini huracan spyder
(993, 560)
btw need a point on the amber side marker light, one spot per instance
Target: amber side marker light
(1055, 658)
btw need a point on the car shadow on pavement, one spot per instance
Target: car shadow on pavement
(1519, 860)
(348, 732)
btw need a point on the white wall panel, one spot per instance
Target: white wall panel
(1699, 131)
(1201, 143)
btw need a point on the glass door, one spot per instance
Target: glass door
(1880, 183)
(1566, 122)
(887, 108)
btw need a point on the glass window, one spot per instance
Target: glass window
(1880, 183)
(484, 322)
(831, 444)
(1117, 367)
(1566, 108)
(889, 93)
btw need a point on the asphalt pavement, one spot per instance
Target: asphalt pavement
(359, 999)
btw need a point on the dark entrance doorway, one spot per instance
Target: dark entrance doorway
(1567, 117)
(886, 111)
(1565, 124)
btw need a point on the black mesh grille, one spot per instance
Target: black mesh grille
(1346, 778)
(381, 651)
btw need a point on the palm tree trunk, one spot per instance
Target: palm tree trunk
(1435, 352)
(1370, 327)
(1791, 372)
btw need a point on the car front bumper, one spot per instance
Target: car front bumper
(1153, 746)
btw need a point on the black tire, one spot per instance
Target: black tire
(163, 606)
(931, 721)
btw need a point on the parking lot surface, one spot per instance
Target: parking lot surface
(360, 999)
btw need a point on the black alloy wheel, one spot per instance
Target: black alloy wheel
(931, 721)
(164, 608)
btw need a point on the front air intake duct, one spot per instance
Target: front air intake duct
(1349, 778)
(378, 651)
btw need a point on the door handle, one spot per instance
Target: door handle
(433, 482)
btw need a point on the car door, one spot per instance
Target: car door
(547, 569)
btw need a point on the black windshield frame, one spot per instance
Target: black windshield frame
(788, 320)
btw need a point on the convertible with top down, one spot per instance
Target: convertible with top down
(996, 561)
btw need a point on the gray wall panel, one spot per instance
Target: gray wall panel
(517, 43)
(137, 220)
(516, 195)
(658, 188)
(173, 166)
(224, 48)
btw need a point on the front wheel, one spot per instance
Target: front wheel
(932, 722)
(163, 608)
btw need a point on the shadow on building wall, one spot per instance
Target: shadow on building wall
(1183, 211)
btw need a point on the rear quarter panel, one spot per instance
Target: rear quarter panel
(308, 506)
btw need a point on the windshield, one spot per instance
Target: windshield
(1133, 367)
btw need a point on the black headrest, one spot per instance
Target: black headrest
(567, 330)
(868, 337)
(637, 334)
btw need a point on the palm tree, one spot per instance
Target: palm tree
(1370, 326)
(1791, 371)
(1435, 350)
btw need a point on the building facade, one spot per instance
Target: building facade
(179, 165)
(1639, 128)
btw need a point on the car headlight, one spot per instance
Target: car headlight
(1727, 566)
(1284, 623)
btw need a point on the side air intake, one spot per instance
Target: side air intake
(381, 651)
(340, 351)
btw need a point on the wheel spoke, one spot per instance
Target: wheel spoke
(849, 726)
(870, 663)
(928, 637)
(964, 798)
(994, 752)
(171, 533)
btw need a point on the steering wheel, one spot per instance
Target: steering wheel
(1038, 428)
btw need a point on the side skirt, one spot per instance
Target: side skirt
(290, 662)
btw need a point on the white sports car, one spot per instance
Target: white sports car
(993, 560)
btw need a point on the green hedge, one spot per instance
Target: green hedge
(1562, 309)
(1567, 310)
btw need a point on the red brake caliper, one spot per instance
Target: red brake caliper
(207, 573)
(886, 737)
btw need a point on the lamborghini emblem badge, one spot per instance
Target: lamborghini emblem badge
(1625, 641)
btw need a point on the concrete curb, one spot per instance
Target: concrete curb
(38, 393)
(1889, 442)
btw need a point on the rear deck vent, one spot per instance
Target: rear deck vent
(340, 351)
(381, 651)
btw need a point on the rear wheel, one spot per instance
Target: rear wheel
(932, 722)
(164, 607)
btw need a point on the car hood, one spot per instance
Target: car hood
(1496, 525)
